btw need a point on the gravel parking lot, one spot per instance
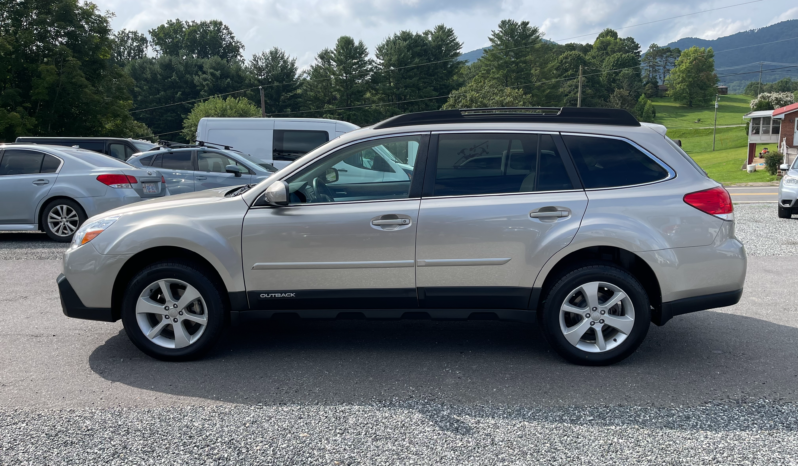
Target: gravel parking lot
(713, 387)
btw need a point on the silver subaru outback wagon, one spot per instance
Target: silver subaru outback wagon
(585, 219)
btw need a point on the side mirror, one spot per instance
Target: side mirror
(233, 169)
(330, 175)
(277, 194)
(784, 167)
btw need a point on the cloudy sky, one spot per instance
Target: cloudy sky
(303, 27)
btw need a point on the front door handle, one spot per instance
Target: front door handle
(550, 213)
(41, 182)
(393, 221)
(201, 178)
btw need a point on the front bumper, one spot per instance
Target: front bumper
(787, 195)
(672, 309)
(73, 306)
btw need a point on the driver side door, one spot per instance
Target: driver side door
(338, 245)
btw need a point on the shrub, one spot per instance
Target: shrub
(772, 100)
(772, 162)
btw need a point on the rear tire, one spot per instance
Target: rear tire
(61, 218)
(173, 311)
(595, 315)
(785, 212)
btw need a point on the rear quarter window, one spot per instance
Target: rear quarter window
(612, 163)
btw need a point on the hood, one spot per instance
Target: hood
(170, 202)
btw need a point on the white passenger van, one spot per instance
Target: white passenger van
(278, 141)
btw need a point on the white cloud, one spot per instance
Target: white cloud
(789, 14)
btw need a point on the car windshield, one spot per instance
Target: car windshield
(95, 158)
(795, 164)
(143, 146)
(268, 167)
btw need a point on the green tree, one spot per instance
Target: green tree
(567, 68)
(644, 110)
(129, 46)
(482, 93)
(232, 107)
(693, 81)
(191, 39)
(278, 74)
(56, 76)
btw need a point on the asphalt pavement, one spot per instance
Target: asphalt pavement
(717, 386)
(750, 195)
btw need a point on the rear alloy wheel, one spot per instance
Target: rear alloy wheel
(596, 315)
(785, 212)
(172, 311)
(61, 219)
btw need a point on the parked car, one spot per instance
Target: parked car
(55, 189)
(278, 141)
(194, 168)
(788, 190)
(585, 218)
(118, 148)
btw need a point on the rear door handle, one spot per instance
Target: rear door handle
(41, 182)
(550, 214)
(393, 221)
(202, 178)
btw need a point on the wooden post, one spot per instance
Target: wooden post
(579, 96)
(715, 129)
(262, 103)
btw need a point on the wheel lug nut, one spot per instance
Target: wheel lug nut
(166, 308)
(601, 321)
(595, 308)
(587, 315)
(180, 313)
(602, 312)
(174, 305)
(592, 324)
(175, 319)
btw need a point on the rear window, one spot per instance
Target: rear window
(611, 163)
(291, 144)
(96, 159)
(146, 161)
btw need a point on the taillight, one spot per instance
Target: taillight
(132, 179)
(116, 181)
(163, 180)
(715, 201)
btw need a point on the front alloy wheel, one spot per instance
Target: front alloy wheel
(597, 317)
(174, 310)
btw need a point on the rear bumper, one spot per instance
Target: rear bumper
(73, 306)
(672, 309)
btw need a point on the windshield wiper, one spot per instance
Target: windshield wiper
(240, 190)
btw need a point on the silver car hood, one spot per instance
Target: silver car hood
(170, 202)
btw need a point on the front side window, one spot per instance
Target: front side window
(215, 162)
(20, 162)
(368, 171)
(611, 163)
(474, 164)
(290, 145)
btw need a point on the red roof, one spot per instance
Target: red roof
(787, 109)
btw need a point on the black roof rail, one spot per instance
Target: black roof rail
(203, 143)
(175, 145)
(573, 115)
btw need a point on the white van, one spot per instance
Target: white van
(278, 141)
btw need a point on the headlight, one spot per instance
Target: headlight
(90, 230)
(791, 180)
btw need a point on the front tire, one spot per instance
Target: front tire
(785, 212)
(61, 218)
(595, 315)
(172, 311)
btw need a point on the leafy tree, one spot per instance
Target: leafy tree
(278, 74)
(481, 93)
(644, 110)
(55, 74)
(622, 99)
(317, 91)
(772, 100)
(129, 46)
(232, 107)
(693, 81)
(191, 39)
(567, 65)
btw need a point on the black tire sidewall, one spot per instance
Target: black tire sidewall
(194, 276)
(46, 212)
(550, 317)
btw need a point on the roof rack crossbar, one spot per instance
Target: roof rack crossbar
(572, 115)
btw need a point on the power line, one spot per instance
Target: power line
(194, 100)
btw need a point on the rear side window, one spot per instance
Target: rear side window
(20, 162)
(292, 144)
(177, 161)
(50, 164)
(120, 151)
(610, 163)
(146, 161)
(472, 164)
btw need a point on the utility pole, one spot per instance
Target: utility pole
(759, 90)
(262, 103)
(579, 96)
(715, 130)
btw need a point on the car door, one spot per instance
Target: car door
(26, 176)
(211, 171)
(496, 207)
(330, 251)
(177, 169)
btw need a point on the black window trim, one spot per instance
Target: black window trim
(56, 172)
(422, 161)
(432, 161)
(665, 166)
